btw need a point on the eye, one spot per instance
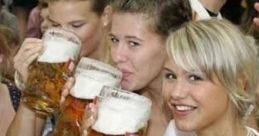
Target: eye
(114, 40)
(55, 25)
(169, 76)
(133, 44)
(77, 25)
(195, 78)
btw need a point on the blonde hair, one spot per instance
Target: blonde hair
(218, 47)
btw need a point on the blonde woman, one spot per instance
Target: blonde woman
(209, 79)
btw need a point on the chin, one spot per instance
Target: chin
(184, 126)
(129, 86)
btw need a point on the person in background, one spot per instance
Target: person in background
(9, 93)
(90, 20)
(209, 84)
(232, 10)
(256, 19)
(21, 9)
(8, 19)
(205, 9)
(38, 21)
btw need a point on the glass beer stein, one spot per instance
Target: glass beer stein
(121, 112)
(90, 76)
(47, 75)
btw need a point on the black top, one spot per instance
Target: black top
(212, 14)
(15, 94)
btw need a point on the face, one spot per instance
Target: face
(77, 16)
(45, 24)
(136, 50)
(195, 101)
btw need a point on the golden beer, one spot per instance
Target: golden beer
(45, 83)
(71, 118)
(90, 77)
(48, 74)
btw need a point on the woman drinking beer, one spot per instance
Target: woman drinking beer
(138, 32)
(89, 19)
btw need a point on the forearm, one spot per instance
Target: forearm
(26, 123)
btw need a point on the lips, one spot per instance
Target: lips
(182, 110)
(125, 73)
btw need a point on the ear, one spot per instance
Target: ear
(242, 80)
(106, 16)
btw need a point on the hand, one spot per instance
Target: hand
(256, 19)
(130, 134)
(90, 117)
(28, 52)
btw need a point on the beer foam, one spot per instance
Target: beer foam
(59, 46)
(90, 77)
(122, 112)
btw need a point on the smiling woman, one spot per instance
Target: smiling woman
(209, 84)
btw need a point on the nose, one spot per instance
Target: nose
(119, 53)
(179, 90)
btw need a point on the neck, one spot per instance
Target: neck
(213, 5)
(158, 118)
(101, 51)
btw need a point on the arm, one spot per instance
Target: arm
(26, 123)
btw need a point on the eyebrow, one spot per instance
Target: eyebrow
(76, 21)
(128, 37)
(168, 69)
(52, 21)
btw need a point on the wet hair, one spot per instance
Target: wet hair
(165, 15)
(97, 6)
(216, 47)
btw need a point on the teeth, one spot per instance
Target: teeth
(183, 107)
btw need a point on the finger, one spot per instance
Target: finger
(130, 134)
(29, 40)
(66, 89)
(64, 94)
(31, 48)
(23, 55)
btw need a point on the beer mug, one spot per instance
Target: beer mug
(90, 76)
(121, 112)
(48, 74)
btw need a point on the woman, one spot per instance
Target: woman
(138, 32)
(9, 94)
(89, 19)
(209, 84)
